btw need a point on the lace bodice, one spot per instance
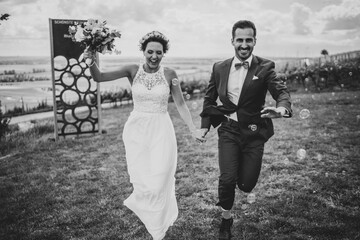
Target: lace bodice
(150, 91)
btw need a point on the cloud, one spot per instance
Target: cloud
(345, 23)
(346, 16)
(195, 28)
(116, 11)
(301, 15)
(17, 2)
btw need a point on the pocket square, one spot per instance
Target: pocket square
(255, 78)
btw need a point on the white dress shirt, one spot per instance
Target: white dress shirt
(236, 82)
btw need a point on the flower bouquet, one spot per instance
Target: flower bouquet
(94, 36)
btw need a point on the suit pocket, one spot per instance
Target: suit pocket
(254, 131)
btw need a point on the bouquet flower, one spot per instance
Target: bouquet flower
(94, 36)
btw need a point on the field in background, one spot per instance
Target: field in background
(74, 188)
(30, 94)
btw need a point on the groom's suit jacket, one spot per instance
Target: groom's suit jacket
(261, 77)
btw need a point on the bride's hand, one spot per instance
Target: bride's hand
(198, 135)
(89, 57)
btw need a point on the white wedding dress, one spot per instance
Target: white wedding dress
(151, 153)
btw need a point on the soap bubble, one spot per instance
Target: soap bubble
(53, 174)
(350, 74)
(194, 105)
(301, 154)
(175, 82)
(251, 198)
(187, 96)
(304, 114)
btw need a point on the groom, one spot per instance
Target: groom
(241, 84)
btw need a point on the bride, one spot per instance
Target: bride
(149, 137)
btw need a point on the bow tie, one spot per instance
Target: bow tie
(244, 64)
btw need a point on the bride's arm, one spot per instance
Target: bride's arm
(178, 97)
(123, 71)
(128, 71)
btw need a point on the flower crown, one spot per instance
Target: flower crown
(153, 34)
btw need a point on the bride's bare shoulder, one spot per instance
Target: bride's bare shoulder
(170, 73)
(132, 69)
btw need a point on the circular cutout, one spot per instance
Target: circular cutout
(83, 112)
(94, 115)
(87, 126)
(69, 117)
(60, 63)
(76, 69)
(70, 97)
(73, 61)
(69, 128)
(67, 78)
(57, 75)
(93, 85)
(83, 65)
(58, 89)
(90, 99)
(82, 84)
(87, 72)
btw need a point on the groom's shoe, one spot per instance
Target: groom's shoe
(225, 232)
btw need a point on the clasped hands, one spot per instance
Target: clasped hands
(199, 135)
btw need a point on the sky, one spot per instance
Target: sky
(196, 28)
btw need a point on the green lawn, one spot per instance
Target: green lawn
(74, 188)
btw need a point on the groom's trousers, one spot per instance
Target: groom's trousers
(239, 162)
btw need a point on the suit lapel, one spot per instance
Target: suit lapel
(224, 79)
(249, 76)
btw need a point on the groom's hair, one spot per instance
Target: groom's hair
(243, 24)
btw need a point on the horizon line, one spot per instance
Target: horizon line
(133, 56)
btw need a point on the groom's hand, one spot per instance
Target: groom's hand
(273, 112)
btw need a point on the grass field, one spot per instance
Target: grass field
(74, 188)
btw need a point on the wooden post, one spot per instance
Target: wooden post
(98, 93)
(56, 135)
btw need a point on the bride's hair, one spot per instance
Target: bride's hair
(154, 36)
